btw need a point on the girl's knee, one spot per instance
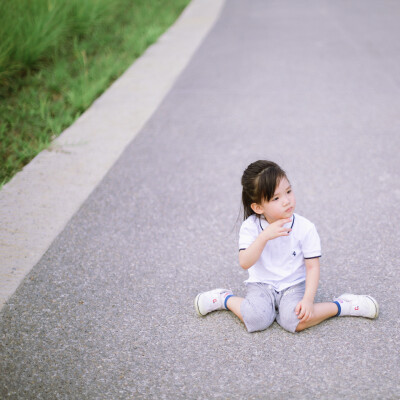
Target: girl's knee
(256, 319)
(259, 326)
(288, 321)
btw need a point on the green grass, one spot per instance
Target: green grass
(58, 56)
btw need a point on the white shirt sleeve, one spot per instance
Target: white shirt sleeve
(311, 244)
(248, 233)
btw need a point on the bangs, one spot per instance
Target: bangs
(267, 182)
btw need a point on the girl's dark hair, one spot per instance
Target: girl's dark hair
(259, 182)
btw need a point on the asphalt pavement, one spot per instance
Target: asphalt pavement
(107, 313)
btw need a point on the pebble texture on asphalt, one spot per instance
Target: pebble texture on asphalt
(108, 311)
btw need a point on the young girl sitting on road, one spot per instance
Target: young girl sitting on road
(281, 251)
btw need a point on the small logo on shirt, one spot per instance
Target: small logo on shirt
(294, 254)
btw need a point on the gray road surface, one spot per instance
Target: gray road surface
(108, 311)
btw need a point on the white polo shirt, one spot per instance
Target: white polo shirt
(281, 263)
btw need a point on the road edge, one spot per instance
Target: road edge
(36, 205)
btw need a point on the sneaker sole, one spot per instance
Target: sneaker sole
(376, 306)
(196, 305)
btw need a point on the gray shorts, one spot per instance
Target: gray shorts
(263, 304)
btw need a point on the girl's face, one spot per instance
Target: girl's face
(281, 205)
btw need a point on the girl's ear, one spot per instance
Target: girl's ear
(256, 208)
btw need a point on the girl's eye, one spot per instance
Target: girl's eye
(275, 198)
(290, 191)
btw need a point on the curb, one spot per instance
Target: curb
(38, 202)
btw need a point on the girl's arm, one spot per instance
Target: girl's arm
(312, 278)
(249, 256)
(305, 307)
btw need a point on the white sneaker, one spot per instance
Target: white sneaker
(211, 301)
(358, 306)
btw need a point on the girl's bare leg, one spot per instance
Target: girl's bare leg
(233, 305)
(322, 311)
